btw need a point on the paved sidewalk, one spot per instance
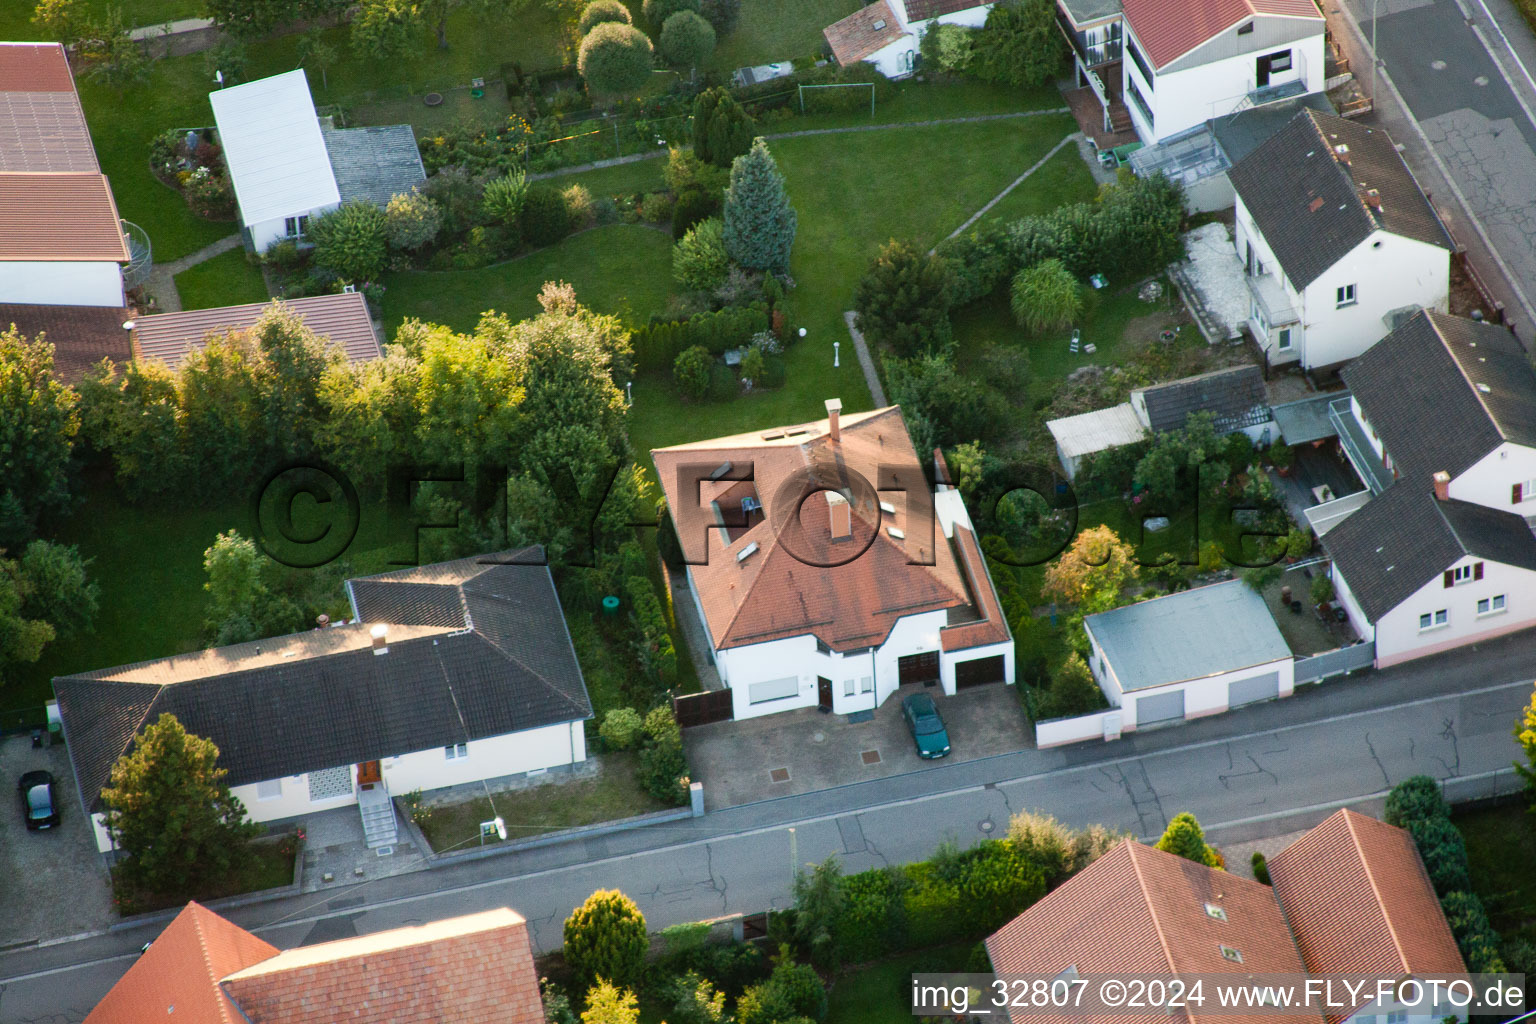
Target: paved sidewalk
(171, 28)
(866, 362)
(162, 279)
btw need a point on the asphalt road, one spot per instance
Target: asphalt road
(1262, 770)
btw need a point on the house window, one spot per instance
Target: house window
(867, 684)
(773, 689)
(822, 648)
(1399, 1017)
(1140, 102)
(1283, 339)
(329, 783)
(1344, 296)
(454, 751)
(1491, 605)
(1522, 491)
(296, 227)
(273, 789)
(1279, 62)
(1245, 28)
(1434, 620)
(1141, 64)
(1461, 574)
(848, 687)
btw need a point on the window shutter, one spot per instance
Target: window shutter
(1477, 570)
(1516, 494)
(1449, 579)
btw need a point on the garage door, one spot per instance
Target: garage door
(978, 672)
(919, 668)
(1159, 707)
(1248, 691)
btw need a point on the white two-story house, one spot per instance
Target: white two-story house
(826, 572)
(888, 33)
(1187, 61)
(1441, 424)
(1338, 242)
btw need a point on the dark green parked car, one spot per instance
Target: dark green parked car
(927, 726)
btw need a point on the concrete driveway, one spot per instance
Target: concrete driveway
(806, 750)
(54, 880)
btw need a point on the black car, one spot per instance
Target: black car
(39, 803)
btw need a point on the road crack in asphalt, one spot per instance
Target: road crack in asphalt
(872, 848)
(1385, 778)
(1258, 769)
(1449, 733)
(717, 884)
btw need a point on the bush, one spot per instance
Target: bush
(544, 217)
(578, 205)
(1444, 853)
(903, 300)
(504, 197)
(599, 11)
(1479, 943)
(657, 207)
(698, 259)
(664, 771)
(411, 220)
(1073, 690)
(693, 206)
(949, 48)
(978, 262)
(687, 39)
(658, 11)
(657, 656)
(352, 240)
(1415, 799)
(722, 14)
(1132, 230)
(1298, 543)
(615, 58)
(605, 938)
(283, 255)
(1260, 867)
(691, 371)
(460, 195)
(1019, 44)
(621, 728)
(1322, 589)
(752, 366)
(1045, 297)
(1184, 838)
(209, 194)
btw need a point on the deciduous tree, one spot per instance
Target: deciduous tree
(387, 30)
(1093, 572)
(759, 222)
(170, 809)
(235, 589)
(599, 11)
(687, 39)
(57, 588)
(615, 58)
(39, 418)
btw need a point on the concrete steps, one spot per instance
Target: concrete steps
(378, 811)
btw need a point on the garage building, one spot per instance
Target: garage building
(1199, 652)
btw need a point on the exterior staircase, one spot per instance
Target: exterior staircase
(1119, 117)
(378, 810)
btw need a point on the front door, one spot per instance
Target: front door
(1261, 72)
(368, 773)
(824, 693)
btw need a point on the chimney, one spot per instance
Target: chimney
(1373, 198)
(1442, 486)
(380, 634)
(322, 620)
(834, 412)
(841, 515)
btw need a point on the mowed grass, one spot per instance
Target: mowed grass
(1063, 179)
(16, 15)
(881, 993)
(616, 269)
(1501, 850)
(226, 280)
(778, 30)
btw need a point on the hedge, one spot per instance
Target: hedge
(652, 621)
(658, 345)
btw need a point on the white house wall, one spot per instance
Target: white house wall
(61, 283)
(1388, 272)
(1398, 637)
(895, 60)
(1491, 480)
(1246, 235)
(264, 233)
(1357, 618)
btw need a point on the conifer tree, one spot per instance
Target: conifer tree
(759, 222)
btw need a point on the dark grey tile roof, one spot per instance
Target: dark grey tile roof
(1306, 419)
(1234, 396)
(1404, 538)
(374, 163)
(1241, 133)
(1308, 199)
(290, 705)
(1422, 388)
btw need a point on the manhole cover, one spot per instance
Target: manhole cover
(870, 757)
(986, 825)
(1438, 65)
(385, 851)
(779, 775)
(433, 99)
(1480, 80)
(818, 737)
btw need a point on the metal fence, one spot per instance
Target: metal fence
(1335, 663)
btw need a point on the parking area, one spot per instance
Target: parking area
(55, 883)
(806, 750)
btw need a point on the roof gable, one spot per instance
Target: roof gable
(177, 977)
(864, 32)
(1171, 28)
(276, 155)
(1307, 188)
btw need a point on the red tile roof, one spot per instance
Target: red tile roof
(476, 969)
(59, 218)
(922, 10)
(177, 978)
(34, 67)
(81, 336)
(797, 580)
(1168, 29)
(856, 36)
(344, 319)
(44, 131)
(1359, 901)
(992, 627)
(1137, 910)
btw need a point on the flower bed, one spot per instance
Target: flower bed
(192, 163)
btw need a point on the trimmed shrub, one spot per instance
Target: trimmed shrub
(1415, 799)
(687, 39)
(1260, 867)
(657, 12)
(615, 58)
(605, 938)
(1444, 852)
(544, 217)
(698, 259)
(621, 728)
(691, 371)
(657, 655)
(352, 240)
(599, 11)
(1479, 943)
(1184, 838)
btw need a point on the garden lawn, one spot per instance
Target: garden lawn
(270, 866)
(614, 794)
(881, 993)
(16, 15)
(226, 280)
(776, 30)
(1064, 179)
(621, 268)
(1501, 848)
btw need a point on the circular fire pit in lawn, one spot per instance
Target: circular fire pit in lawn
(433, 99)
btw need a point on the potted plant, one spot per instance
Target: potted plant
(1298, 544)
(1281, 457)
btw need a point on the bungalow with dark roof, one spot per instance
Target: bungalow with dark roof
(446, 674)
(1338, 243)
(1441, 425)
(826, 572)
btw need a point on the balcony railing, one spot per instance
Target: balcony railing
(1357, 447)
(1272, 300)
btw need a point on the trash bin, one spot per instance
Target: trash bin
(610, 605)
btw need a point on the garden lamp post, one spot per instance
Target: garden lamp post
(629, 392)
(837, 354)
(794, 856)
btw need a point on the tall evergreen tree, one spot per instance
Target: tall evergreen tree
(722, 130)
(903, 300)
(759, 222)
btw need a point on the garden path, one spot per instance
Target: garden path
(162, 279)
(973, 218)
(846, 129)
(866, 363)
